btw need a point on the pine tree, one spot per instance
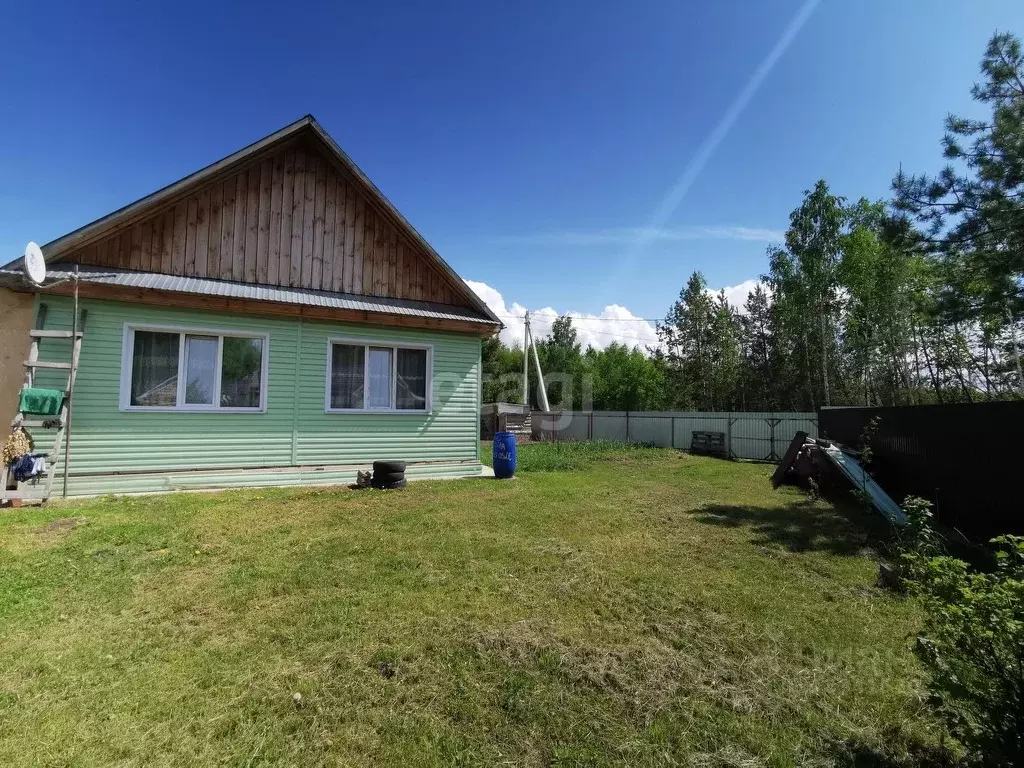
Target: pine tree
(725, 356)
(973, 211)
(757, 392)
(687, 334)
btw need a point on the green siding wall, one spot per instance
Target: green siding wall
(293, 432)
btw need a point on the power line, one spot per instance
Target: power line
(627, 337)
(601, 319)
(617, 335)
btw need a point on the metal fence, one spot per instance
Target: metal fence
(762, 436)
(963, 457)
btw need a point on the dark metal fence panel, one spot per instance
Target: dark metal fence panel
(965, 458)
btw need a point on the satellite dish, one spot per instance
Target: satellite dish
(35, 264)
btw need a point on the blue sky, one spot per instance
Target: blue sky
(534, 144)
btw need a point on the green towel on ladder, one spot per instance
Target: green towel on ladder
(45, 402)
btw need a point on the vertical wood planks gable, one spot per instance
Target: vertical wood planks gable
(369, 240)
(252, 224)
(418, 273)
(316, 264)
(156, 240)
(308, 214)
(263, 224)
(380, 255)
(351, 201)
(298, 198)
(202, 246)
(135, 256)
(191, 216)
(287, 188)
(178, 238)
(213, 249)
(102, 253)
(330, 211)
(400, 289)
(293, 217)
(338, 255)
(167, 243)
(238, 226)
(146, 232)
(227, 227)
(392, 262)
(274, 233)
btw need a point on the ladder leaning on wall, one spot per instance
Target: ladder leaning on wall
(41, 489)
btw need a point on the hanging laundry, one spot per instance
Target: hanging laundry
(41, 400)
(27, 466)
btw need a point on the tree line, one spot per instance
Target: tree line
(616, 378)
(911, 300)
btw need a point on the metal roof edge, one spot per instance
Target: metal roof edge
(203, 286)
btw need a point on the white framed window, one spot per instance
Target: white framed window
(169, 368)
(373, 377)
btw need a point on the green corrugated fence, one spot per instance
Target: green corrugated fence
(749, 435)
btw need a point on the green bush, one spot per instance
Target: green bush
(917, 542)
(972, 641)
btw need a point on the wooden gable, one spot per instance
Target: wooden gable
(292, 214)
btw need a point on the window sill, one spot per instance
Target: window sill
(377, 411)
(186, 409)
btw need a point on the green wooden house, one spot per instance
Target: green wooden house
(269, 320)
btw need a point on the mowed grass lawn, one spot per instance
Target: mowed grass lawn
(638, 607)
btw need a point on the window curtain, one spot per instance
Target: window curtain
(347, 371)
(155, 368)
(411, 384)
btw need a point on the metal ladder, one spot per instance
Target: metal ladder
(59, 423)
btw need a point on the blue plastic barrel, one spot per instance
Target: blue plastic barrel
(504, 455)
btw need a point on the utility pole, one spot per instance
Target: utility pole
(542, 393)
(526, 361)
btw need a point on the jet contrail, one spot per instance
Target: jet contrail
(678, 191)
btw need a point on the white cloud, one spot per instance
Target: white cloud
(615, 323)
(631, 235)
(737, 294)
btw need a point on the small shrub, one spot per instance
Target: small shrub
(917, 542)
(972, 641)
(867, 455)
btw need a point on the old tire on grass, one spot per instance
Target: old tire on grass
(383, 478)
(392, 486)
